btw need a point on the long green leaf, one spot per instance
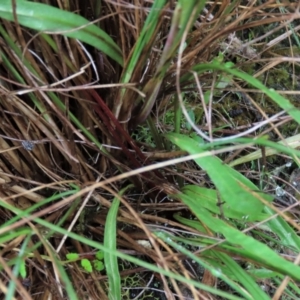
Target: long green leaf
(208, 198)
(228, 68)
(149, 266)
(17, 268)
(292, 142)
(42, 17)
(110, 241)
(215, 271)
(232, 186)
(259, 251)
(221, 175)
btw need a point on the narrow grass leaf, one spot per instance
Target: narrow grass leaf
(23, 272)
(111, 262)
(64, 277)
(19, 264)
(21, 214)
(145, 37)
(129, 258)
(288, 236)
(42, 17)
(110, 241)
(4, 238)
(230, 183)
(181, 22)
(214, 270)
(208, 198)
(259, 251)
(228, 68)
(291, 142)
(242, 276)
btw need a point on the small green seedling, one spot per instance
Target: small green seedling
(88, 264)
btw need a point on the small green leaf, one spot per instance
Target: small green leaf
(86, 264)
(207, 96)
(72, 256)
(22, 269)
(192, 117)
(219, 58)
(229, 65)
(100, 255)
(98, 265)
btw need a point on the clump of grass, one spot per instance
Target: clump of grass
(116, 138)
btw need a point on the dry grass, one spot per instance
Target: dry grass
(48, 105)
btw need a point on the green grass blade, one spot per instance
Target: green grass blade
(228, 68)
(43, 17)
(208, 198)
(64, 277)
(258, 250)
(283, 230)
(144, 38)
(246, 279)
(110, 241)
(16, 270)
(242, 276)
(111, 261)
(181, 22)
(121, 255)
(230, 183)
(34, 207)
(11, 235)
(292, 142)
(279, 147)
(287, 237)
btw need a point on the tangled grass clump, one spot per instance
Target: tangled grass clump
(121, 124)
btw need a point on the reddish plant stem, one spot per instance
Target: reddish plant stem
(118, 133)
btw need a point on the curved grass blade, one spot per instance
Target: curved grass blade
(17, 268)
(228, 68)
(221, 174)
(110, 241)
(42, 17)
(232, 186)
(256, 250)
(208, 198)
(244, 278)
(181, 22)
(292, 142)
(149, 266)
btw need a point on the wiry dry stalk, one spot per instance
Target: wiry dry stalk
(53, 135)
